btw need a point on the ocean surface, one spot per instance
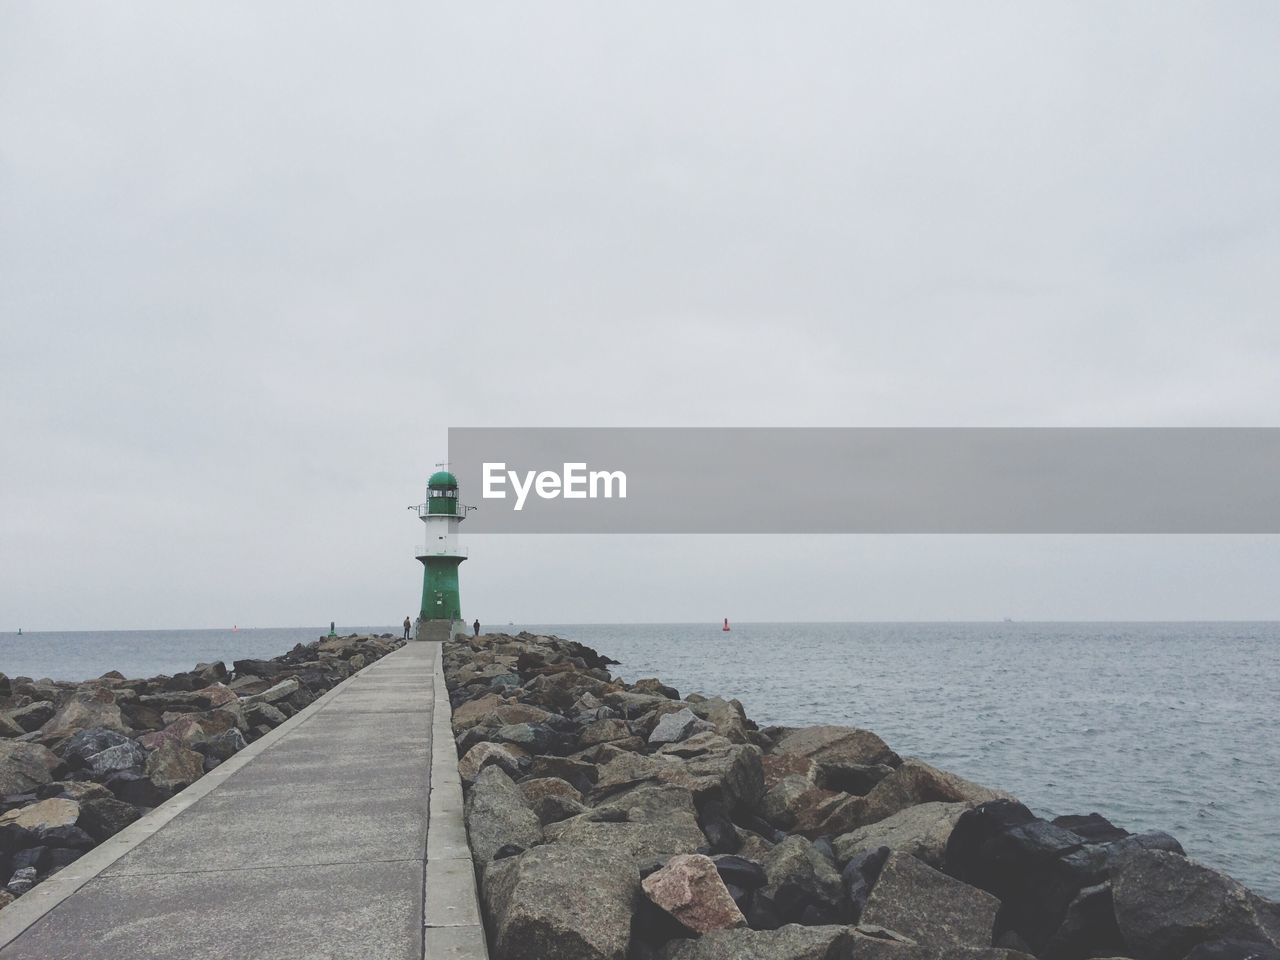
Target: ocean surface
(1170, 726)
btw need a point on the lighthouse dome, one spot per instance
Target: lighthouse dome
(442, 480)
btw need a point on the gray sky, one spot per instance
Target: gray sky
(255, 258)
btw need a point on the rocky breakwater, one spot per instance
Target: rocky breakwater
(623, 821)
(81, 761)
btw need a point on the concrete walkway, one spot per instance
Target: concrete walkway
(312, 843)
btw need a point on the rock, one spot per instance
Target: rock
(104, 817)
(43, 815)
(674, 727)
(556, 809)
(223, 747)
(80, 746)
(860, 875)
(689, 888)
(803, 886)
(1166, 904)
(483, 755)
(281, 691)
(931, 908)
(652, 685)
(137, 789)
(580, 774)
(922, 831)
(172, 766)
(259, 714)
(123, 756)
(645, 823)
(1233, 950)
(77, 790)
(715, 769)
(22, 880)
(604, 731)
(468, 714)
(834, 744)
(86, 708)
(9, 727)
(497, 815)
(538, 787)
(67, 837)
(1088, 929)
(1091, 828)
(916, 782)
(789, 798)
(713, 820)
(33, 716)
(571, 903)
(530, 737)
(856, 778)
(24, 766)
(727, 716)
(791, 942)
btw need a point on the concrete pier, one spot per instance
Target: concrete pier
(335, 836)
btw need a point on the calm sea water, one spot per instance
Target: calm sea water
(1172, 726)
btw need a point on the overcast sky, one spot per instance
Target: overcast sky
(256, 257)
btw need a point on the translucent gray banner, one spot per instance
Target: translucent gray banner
(863, 480)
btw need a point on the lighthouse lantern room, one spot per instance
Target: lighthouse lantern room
(441, 615)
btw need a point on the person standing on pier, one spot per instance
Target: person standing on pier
(407, 625)
(476, 626)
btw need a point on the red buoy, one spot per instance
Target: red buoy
(725, 628)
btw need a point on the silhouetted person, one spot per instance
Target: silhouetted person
(407, 625)
(476, 626)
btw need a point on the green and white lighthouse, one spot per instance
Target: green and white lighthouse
(441, 615)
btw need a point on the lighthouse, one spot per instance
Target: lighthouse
(441, 615)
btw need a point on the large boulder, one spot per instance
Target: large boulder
(483, 755)
(931, 908)
(102, 817)
(921, 831)
(650, 821)
(727, 716)
(1038, 870)
(803, 886)
(1166, 904)
(88, 706)
(835, 744)
(24, 766)
(34, 715)
(43, 815)
(915, 782)
(674, 727)
(567, 902)
(792, 942)
(689, 888)
(497, 816)
(172, 766)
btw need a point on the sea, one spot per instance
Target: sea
(1157, 726)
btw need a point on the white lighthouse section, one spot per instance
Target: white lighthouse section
(442, 536)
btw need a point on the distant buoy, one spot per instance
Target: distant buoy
(234, 628)
(725, 628)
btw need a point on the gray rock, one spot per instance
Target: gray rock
(33, 716)
(930, 907)
(674, 727)
(802, 885)
(256, 714)
(23, 879)
(281, 691)
(567, 902)
(791, 942)
(123, 756)
(644, 823)
(834, 744)
(498, 815)
(1166, 904)
(102, 817)
(24, 766)
(921, 831)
